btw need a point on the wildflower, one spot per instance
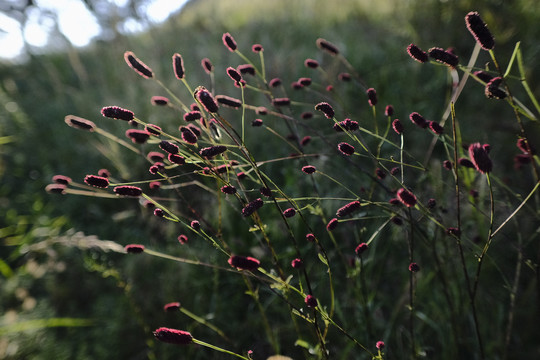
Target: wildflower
(195, 225)
(413, 267)
(244, 262)
(443, 56)
(389, 110)
(297, 263)
(61, 179)
(344, 76)
(188, 135)
(229, 42)
(127, 190)
(257, 48)
(173, 336)
(79, 123)
(380, 173)
(207, 65)
(296, 85)
(241, 175)
(525, 147)
(158, 212)
(137, 65)
(310, 301)
(265, 191)
(173, 306)
(153, 129)
(137, 136)
(290, 212)
(346, 149)
(418, 120)
(360, 249)
(379, 345)
(176, 159)
(348, 209)
(234, 74)
(492, 89)
(168, 147)
(251, 207)
(304, 81)
(97, 181)
(212, 151)
(134, 248)
(436, 128)
(192, 116)
(465, 163)
(206, 99)
(347, 125)
(275, 82)
(417, 54)
(182, 239)
(447, 164)
(310, 237)
(326, 109)
(332, 224)
(482, 75)
(246, 69)
(397, 126)
(154, 185)
(257, 122)
(372, 96)
(479, 30)
(178, 66)
(327, 46)
(261, 110)
(159, 100)
(406, 197)
(116, 112)
(480, 158)
(309, 169)
(228, 189)
(306, 115)
(229, 101)
(281, 102)
(56, 188)
(311, 63)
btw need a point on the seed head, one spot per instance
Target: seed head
(97, 181)
(397, 126)
(207, 65)
(417, 54)
(192, 116)
(310, 301)
(188, 135)
(173, 336)
(380, 173)
(348, 209)
(251, 207)
(178, 66)
(173, 306)
(304, 81)
(346, 149)
(206, 99)
(115, 112)
(79, 123)
(346, 125)
(443, 56)
(480, 158)
(326, 109)
(525, 147)
(229, 101)
(372, 96)
(137, 65)
(229, 42)
(360, 249)
(244, 262)
(158, 212)
(478, 28)
(327, 46)
(406, 197)
(447, 164)
(413, 267)
(126, 190)
(134, 248)
(465, 163)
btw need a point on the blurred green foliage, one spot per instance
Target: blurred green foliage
(117, 293)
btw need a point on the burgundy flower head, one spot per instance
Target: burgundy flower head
(134, 248)
(188, 135)
(229, 101)
(327, 46)
(290, 212)
(229, 42)
(397, 126)
(309, 169)
(206, 99)
(436, 128)
(310, 301)
(252, 206)
(346, 149)
(326, 109)
(379, 345)
(182, 239)
(310, 237)
(418, 120)
(360, 249)
(168, 147)
(275, 82)
(372, 96)
(443, 56)
(159, 100)
(257, 48)
(281, 101)
(178, 66)
(127, 190)
(79, 123)
(478, 28)
(228, 189)
(97, 181)
(348, 209)
(493, 90)
(61, 179)
(115, 112)
(311, 63)
(137, 65)
(413, 267)
(212, 151)
(297, 263)
(137, 136)
(173, 306)
(480, 158)
(406, 197)
(244, 262)
(207, 65)
(389, 110)
(173, 336)
(417, 54)
(332, 224)
(56, 188)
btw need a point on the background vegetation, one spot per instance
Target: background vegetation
(63, 296)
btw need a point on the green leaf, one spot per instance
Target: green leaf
(323, 259)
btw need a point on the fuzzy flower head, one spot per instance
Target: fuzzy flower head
(244, 262)
(327, 46)
(326, 109)
(290, 212)
(137, 65)
(417, 54)
(229, 42)
(79, 123)
(444, 57)
(360, 249)
(178, 66)
(134, 248)
(372, 96)
(116, 112)
(478, 29)
(310, 301)
(297, 263)
(480, 158)
(251, 207)
(173, 306)
(206, 99)
(173, 336)
(346, 149)
(309, 169)
(348, 209)
(406, 197)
